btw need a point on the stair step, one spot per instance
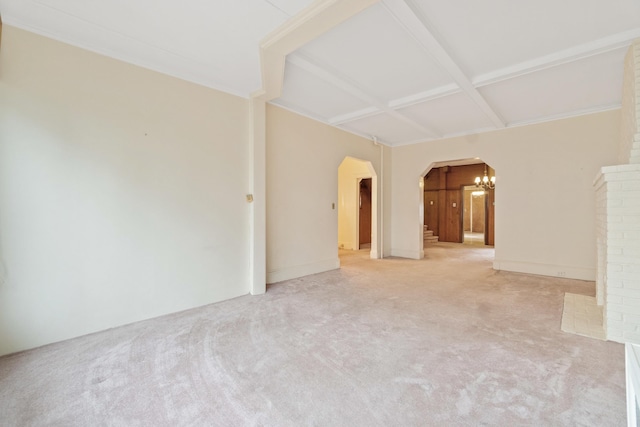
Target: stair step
(428, 235)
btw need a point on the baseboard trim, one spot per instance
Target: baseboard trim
(347, 245)
(563, 271)
(302, 270)
(407, 253)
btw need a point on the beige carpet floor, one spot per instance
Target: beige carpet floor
(445, 341)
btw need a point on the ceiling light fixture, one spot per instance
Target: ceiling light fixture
(485, 182)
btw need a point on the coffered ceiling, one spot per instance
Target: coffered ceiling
(404, 71)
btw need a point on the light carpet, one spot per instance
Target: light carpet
(441, 341)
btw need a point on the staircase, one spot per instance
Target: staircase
(428, 236)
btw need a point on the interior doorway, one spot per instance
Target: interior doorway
(453, 208)
(357, 206)
(473, 215)
(364, 226)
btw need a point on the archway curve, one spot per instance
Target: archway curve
(350, 172)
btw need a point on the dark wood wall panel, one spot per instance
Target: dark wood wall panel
(365, 211)
(490, 198)
(453, 222)
(459, 176)
(444, 186)
(431, 211)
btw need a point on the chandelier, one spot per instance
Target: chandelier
(485, 182)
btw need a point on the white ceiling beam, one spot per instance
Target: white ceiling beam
(354, 115)
(310, 23)
(603, 45)
(427, 95)
(333, 77)
(420, 31)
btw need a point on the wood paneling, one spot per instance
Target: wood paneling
(453, 221)
(432, 180)
(365, 211)
(459, 176)
(444, 186)
(490, 198)
(431, 211)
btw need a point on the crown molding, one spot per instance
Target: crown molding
(586, 50)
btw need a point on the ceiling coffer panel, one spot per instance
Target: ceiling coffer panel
(221, 37)
(437, 115)
(387, 128)
(375, 51)
(403, 70)
(592, 83)
(484, 36)
(316, 95)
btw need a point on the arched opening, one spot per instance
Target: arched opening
(357, 206)
(454, 208)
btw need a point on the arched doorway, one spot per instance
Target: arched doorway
(450, 198)
(357, 206)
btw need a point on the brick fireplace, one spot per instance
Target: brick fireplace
(618, 219)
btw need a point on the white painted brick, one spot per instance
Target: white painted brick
(617, 268)
(632, 219)
(624, 195)
(631, 250)
(614, 283)
(633, 237)
(614, 334)
(624, 258)
(614, 316)
(631, 202)
(611, 250)
(613, 219)
(619, 308)
(631, 284)
(615, 186)
(631, 337)
(632, 268)
(632, 293)
(631, 302)
(630, 185)
(623, 211)
(632, 319)
(614, 324)
(614, 299)
(616, 226)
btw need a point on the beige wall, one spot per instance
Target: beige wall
(121, 193)
(545, 208)
(629, 126)
(303, 157)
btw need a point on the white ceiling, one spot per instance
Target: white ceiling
(404, 71)
(210, 42)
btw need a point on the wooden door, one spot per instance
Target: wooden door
(365, 211)
(489, 217)
(453, 222)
